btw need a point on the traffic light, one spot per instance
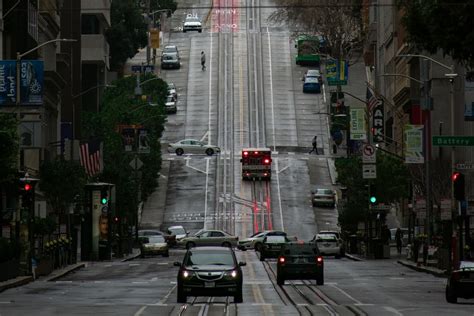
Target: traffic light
(459, 191)
(372, 194)
(104, 197)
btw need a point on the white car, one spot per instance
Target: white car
(329, 244)
(192, 23)
(255, 241)
(178, 231)
(170, 105)
(192, 146)
(172, 90)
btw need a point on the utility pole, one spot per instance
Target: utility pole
(148, 53)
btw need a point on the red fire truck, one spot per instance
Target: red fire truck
(256, 164)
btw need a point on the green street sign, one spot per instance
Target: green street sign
(453, 141)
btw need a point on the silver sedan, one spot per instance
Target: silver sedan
(192, 146)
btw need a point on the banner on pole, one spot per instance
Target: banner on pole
(413, 143)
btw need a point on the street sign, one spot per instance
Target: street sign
(358, 124)
(464, 166)
(369, 171)
(368, 154)
(445, 209)
(336, 72)
(136, 163)
(143, 68)
(453, 141)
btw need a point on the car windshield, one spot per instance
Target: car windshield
(170, 49)
(177, 230)
(326, 237)
(169, 56)
(156, 239)
(275, 239)
(192, 19)
(258, 234)
(169, 98)
(149, 232)
(324, 192)
(211, 257)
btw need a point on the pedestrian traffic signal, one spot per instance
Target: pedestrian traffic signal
(104, 197)
(459, 191)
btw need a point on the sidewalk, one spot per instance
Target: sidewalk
(404, 262)
(58, 273)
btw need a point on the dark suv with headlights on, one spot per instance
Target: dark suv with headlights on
(210, 271)
(300, 260)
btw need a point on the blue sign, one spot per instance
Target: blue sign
(336, 72)
(143, 69)
(31, 82)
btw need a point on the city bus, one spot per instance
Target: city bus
(256, 164)
(308, 50)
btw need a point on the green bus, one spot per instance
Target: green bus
(308, 50)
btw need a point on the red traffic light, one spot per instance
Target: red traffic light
(455, 176)
(27, 187)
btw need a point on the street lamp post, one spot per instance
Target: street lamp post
(19, 56)
(451, 76)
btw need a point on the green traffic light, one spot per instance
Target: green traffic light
(373, 199)
(103, 201)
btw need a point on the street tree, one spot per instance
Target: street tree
(61, 181)
(121, 107)
(127, 32)
(445, 25)
(339, 22)
(392, 184)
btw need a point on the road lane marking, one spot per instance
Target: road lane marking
(357, 302)
(271, 87)
(392, 310)
(133, 264)
(163, 300)
(153, 279)
(140, 311)
(205, 195)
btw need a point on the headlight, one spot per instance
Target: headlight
(232, 274)
(187, 274)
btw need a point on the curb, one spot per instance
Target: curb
(66, 271)
(131, 257)
(16, 282)
(352, 257)
(440, 274)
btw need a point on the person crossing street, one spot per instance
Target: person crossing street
(315, 145)
(203, 60)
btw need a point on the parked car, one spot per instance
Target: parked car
(311, 85)
(154, 245)
(271, 246)
(170, 239)
(178, 231)
(170, 60)
(312, 73)
(192, 23)
(255, 241)
(338, 236)
(461, 282)
(172, 90)
(300, 261)
(170, 104)
(192, 146)
(209, 271)
(325, 197)
(206, 237)
(328, 244)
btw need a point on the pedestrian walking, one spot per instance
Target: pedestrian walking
(315, 145)
(398, 239)
(203, 60)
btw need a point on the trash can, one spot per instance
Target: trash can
(378, 248)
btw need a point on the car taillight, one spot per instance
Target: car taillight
(281, 260)
(319, 260)
(246, 153)
(267, 161)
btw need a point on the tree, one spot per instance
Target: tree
(127, 32)
(121, 107)
(8, 147)
(164, 5)
(338, 21)
(445, 25)
(61, 181)
(392, 183)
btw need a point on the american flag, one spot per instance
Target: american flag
(372, 101)
(90, 157)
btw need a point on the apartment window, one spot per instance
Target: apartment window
(90, 24)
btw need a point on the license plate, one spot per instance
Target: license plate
(210, 284)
